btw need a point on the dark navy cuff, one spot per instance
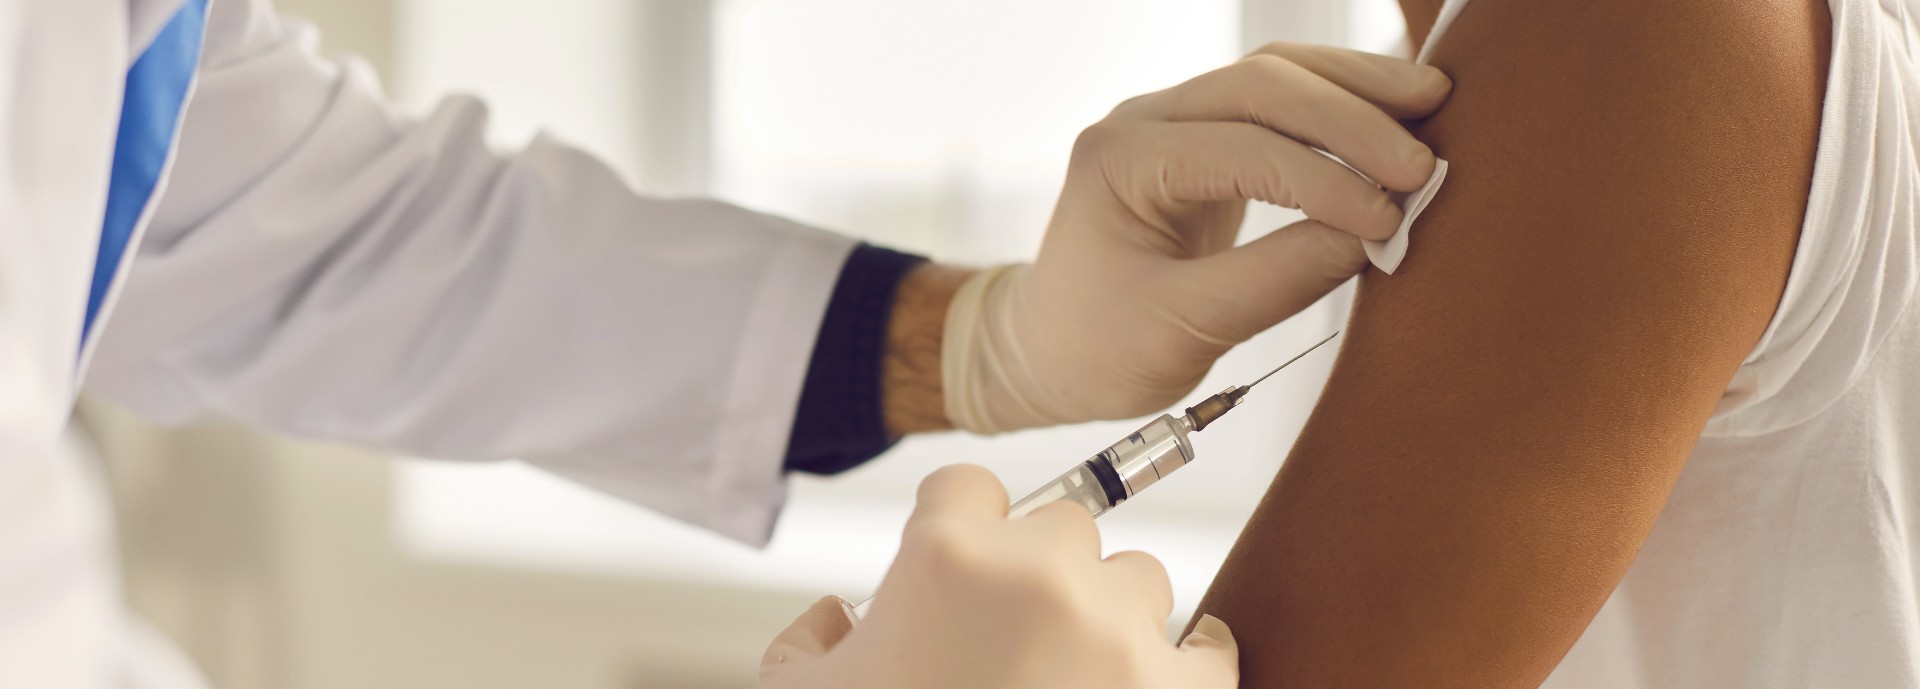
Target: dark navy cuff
(838, 425)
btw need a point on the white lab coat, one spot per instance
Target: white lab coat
(318, 264)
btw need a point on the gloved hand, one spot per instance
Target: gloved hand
(1138, 287)
(978, 600)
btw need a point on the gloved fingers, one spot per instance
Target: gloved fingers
(1278, 94)
(1227, 161)
(1066, 527)
(1212, 655)
(1404, 90)
(960, 490)
(1242, 291)
(1143, 580)
(810, 636)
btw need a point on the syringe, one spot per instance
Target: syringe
(1139, 460)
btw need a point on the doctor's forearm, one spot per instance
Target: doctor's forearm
(875, 370)
(912, 398)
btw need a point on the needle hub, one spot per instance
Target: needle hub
(1209, 410)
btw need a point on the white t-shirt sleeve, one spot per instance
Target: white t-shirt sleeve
(1853, 274)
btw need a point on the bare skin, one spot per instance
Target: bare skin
(912, 399)
(1509, 412)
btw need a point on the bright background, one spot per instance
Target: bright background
(935, 126)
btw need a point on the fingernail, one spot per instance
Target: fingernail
(1436, 80)
(1421, 157)
(1212, 628)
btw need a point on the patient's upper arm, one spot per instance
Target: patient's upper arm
(1509, 411)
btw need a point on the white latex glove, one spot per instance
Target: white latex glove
(1138, 287)
(978, 600)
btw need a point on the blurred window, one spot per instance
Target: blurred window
(938, 126)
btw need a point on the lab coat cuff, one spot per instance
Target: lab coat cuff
(839, 424)
(748, 480)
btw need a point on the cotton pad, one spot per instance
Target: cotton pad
(1387, 255)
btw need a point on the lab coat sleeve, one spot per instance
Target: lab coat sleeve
(324, 266)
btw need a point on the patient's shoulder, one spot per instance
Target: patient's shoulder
(1696, 74)
(1761, 39)
(1669, 142)
(1693, 73)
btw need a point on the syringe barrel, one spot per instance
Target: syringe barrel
(1119, 472)
(1093, 484)
(1159, 448)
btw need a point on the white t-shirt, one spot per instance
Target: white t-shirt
(1789, 552)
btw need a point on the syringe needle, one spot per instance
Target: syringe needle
(1295, 358)
(1209, 410)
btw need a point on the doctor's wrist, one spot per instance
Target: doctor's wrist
(912, 395)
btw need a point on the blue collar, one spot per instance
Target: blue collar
(149, 116)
